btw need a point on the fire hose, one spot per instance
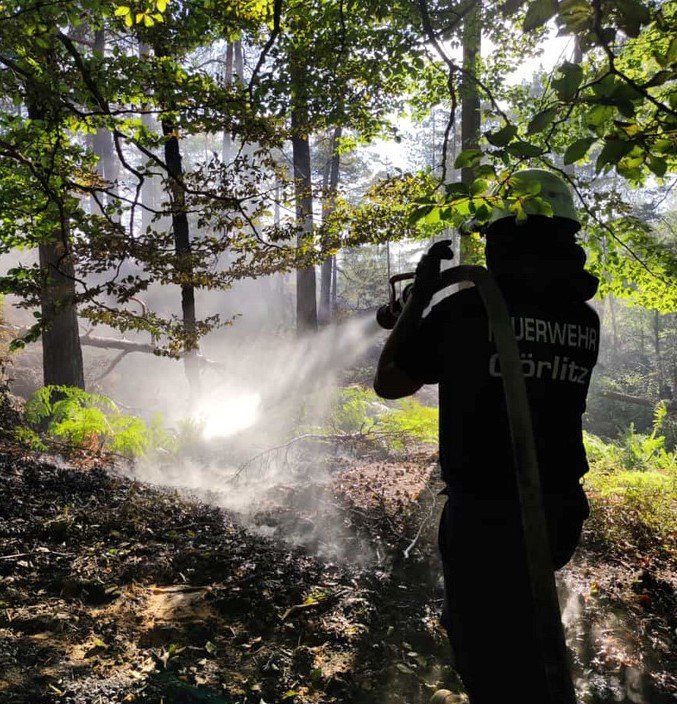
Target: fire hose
(547, 616)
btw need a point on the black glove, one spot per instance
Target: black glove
(427, 280)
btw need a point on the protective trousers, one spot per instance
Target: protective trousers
(488, 610)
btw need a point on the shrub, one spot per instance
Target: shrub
(633, 488)
(355, 409)
(90, 420)
(633, 450)
(359, 410)
(411, 419)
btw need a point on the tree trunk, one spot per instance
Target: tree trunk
(183, 252)
(96, 138)
(102, 143)
(227, 146)
(306, 286)
(614, 327)
(674, 357)
(576, 58)
(470, 103)
(61, 352)
(663, 390)
(470, 96)
(331, 180)
(334, 284)
(148, 199)
(325, 312)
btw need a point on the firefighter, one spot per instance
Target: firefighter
(539, 268)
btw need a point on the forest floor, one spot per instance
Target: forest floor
(112, 590)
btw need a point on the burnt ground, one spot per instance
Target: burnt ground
(115, 591)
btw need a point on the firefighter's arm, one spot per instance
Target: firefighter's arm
(390, 381)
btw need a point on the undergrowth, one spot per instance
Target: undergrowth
(91, 421)
(632, 481)
(358, 410)
(632, 485)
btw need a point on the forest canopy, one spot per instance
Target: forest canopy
(197, 144)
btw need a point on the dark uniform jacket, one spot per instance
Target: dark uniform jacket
(558, 339)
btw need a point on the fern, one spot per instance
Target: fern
(85, 420)
(660, 415)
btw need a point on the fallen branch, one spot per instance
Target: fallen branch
(115, 343)
(641, 401)
(335, 437)
(286, 445)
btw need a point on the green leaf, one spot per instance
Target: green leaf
(539, 13)
(633, 15)
(524, 184)
(479, 185)
(540, 206)
(541, 120)
(419, 213)
(501, 137)
(485, 171)
(567, 85)
(524, 149)
(671, 55)
(468, 158)
(578, 149)
(612, 152)
(626, 108)
(657, 165)
(122, 11)
(483, 213)
(575, 16)
(456, 189)
(161, 5)
(663, 146)
(600, 114)
(659, 78)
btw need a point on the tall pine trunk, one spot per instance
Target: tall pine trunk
(331, 180)
(306, 285)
